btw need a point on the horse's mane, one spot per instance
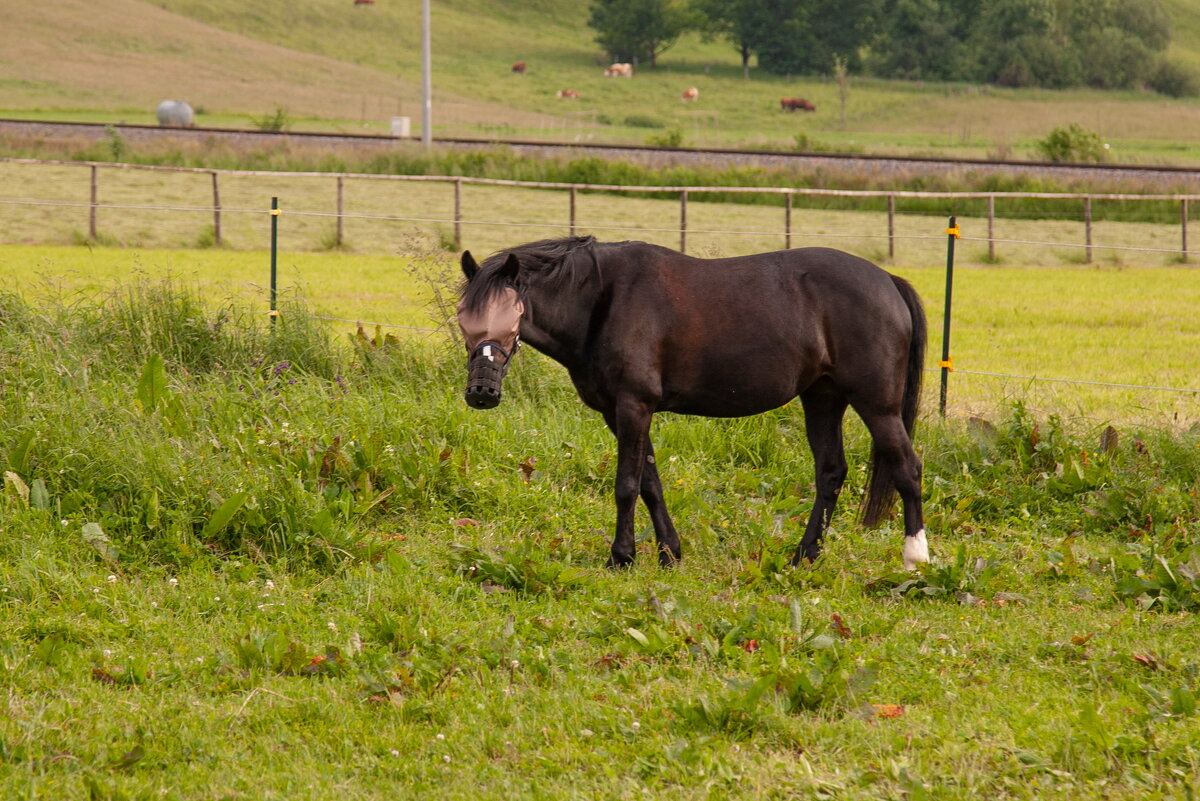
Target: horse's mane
(543, 255)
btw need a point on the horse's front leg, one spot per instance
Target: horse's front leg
(631, 425)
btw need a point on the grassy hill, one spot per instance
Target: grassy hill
(330, 64)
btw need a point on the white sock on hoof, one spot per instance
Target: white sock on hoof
(916, 550)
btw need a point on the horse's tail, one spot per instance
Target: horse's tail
(881, 491)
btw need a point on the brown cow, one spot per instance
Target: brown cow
(690, 94)
(519, 67)
(619, 71)
(794, 103)
(568, 93)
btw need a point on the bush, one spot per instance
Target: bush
(643, 121)
(1175, 80)
(669, 138)
(1073, 143)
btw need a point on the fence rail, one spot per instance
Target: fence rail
(682, 192)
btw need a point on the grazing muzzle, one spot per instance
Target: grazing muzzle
(492, 337)
(486, 367)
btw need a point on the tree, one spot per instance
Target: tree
(918, 40)
(639, 30)
(803, 36)
(741, 22)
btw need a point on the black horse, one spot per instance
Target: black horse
(644, 329)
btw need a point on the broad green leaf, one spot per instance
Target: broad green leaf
(94, 536)
(18, 457)
(13, 480)
(796, 617)
(225, 512)
(152, 386)
(637, 635)
(1093, 729)
(39, 496)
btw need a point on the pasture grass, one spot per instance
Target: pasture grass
(243, 560)
(333, 66)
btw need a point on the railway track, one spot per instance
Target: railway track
(1168, 176)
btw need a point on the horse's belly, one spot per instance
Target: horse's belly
(729, 398)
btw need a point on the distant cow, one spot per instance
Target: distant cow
(796, 103)
(568, 93)
(690, 94)
(619, 71)
(519, 67)
(364, 2)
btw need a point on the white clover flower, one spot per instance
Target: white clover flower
(331, 626)
(174, 582)
(111, 579)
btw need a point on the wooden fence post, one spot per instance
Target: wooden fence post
(95, 200)
(891, 206)
(1087, 228)
(571, 228)
(992, 228)
(341, 190)
(216, 210)
(787, 221)
(1183, 221)
(458, 214)
(683, 221)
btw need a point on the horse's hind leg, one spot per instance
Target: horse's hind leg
(824, 408)
(896, 459)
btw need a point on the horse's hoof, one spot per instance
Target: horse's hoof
(916, 550)
(807, 559)
(669, 558)
(619, 562)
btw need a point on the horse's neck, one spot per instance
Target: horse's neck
(558, 324)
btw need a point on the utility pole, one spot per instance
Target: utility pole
(426, 77)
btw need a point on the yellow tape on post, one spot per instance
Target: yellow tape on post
(276, 212)
(273, 313)
(947, 364)
(954, 232)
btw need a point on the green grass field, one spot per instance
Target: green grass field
(333, 66)
(245, 561)
(279, 561)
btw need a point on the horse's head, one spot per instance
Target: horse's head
(490, 319)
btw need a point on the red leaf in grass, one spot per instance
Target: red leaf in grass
(105, 675)
(840, 627)
(888, 710)
(528, 467)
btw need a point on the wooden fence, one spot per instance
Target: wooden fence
(681, 192)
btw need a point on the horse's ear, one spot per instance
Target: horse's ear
(510, 269)
(469, 267)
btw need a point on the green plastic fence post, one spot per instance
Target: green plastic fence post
(947, 364)
(275, 212)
